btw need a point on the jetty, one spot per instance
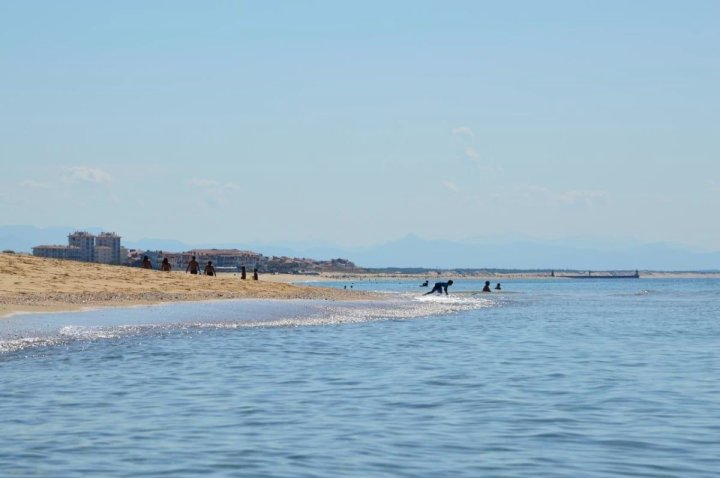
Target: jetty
(599, 275)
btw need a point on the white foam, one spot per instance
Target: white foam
(229, 315)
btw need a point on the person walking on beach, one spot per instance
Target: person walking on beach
(165, 266)
(243, 274)
(255, 274)
(487, 286)
(209, 269)
(146, 264)
(193, 266)
(439, 287)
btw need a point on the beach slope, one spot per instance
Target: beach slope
(35, 284)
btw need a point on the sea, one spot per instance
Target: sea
(545, 378)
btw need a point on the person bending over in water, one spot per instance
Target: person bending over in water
(165, 266)
(209, 269)
(193, 266)
(487, 286)
(439, 287)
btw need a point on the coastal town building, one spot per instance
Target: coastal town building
(103, 255)
(111, 241)
(105, 248)
(224, 260)
(84, 246)
(57, 252)
(85, 242)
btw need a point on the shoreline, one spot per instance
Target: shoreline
(31, 284)
(38, 285)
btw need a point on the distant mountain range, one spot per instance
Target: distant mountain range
(413, 251)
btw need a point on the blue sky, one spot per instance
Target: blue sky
(358, 123)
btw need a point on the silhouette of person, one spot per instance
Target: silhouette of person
(165, 266)
(439, 287)
(424, 284)
(243, 274)
(487, 286)
(497, 287)
(209, 269)
(146, 264)
(255, 274)
(193, 266)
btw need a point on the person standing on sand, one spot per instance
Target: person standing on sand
(243, 275)
(209, 269)
(165, 266)
(439, 287)
(255, 274)
(193, 266)
(146, 264)
(487, 286)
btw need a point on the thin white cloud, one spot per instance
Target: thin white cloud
(32, 184)
(203, 183)
(217, 194)
(472, 153)
(451, 186)
(212, 184)
(463, 131)
(84, 174)
(582, 197)
(570, 197)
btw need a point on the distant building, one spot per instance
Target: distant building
(111, 241)
(86, 247)
(85, 242)
(223, 259)
(57, 252)
(104, 255)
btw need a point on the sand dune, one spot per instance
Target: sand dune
(34, 284)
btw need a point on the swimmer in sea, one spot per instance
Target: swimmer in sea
(497, 287)
(439, 287)
(487, 286)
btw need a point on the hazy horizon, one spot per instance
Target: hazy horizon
(416, 251)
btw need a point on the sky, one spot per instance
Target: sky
(357, 123)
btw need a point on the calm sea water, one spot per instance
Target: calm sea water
(547, 378)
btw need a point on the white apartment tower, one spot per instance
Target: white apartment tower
(85, 242)
(111, 241)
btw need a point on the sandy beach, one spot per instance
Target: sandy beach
(34, 284)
